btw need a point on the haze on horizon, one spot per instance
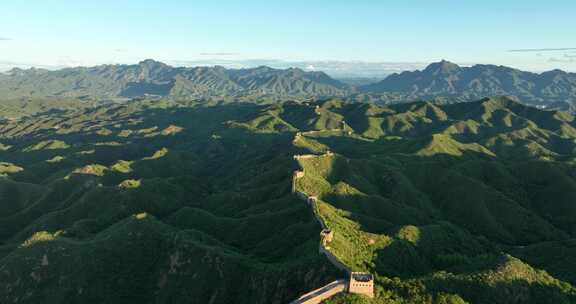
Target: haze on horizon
(360, 38)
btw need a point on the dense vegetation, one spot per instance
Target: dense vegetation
(157, 202)
(131, 205)
(470, 202)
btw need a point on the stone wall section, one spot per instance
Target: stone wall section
(326, 236)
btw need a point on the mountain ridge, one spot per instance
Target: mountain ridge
(446, 79)
(150, 77)
(442, 81)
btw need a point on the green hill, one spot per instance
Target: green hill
(171, 202)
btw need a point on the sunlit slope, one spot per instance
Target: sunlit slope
(458, 201)
(130, 205)
(157, 202)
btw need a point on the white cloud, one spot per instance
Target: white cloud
(219, 54)
(542, 50)
(333, 68)
(562, 60)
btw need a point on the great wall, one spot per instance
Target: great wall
(357, 282)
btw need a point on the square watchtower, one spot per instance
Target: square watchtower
(326, 235)
(361, 283)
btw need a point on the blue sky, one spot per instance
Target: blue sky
(68, 33)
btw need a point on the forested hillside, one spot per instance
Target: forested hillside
(163, 203)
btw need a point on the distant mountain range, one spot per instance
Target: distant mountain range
(555, 89)
(446, 80)
(150, 77)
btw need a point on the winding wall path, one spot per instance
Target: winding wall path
(344, 285)
(329, 290)
(322, 293)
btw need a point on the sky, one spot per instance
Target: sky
(351, 35)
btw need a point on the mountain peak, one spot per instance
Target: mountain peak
(151, 63)
(554, 73)
(444, 67)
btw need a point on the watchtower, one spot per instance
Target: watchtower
(298, 174)
(312, 200)
(326, 235)
(361, 283)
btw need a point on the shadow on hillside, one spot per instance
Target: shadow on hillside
(233, 175)
(352, 147)
(494, 278)
(241, 181)
(388, 170)
(229, 187)
(400, 189)
(79, 131)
